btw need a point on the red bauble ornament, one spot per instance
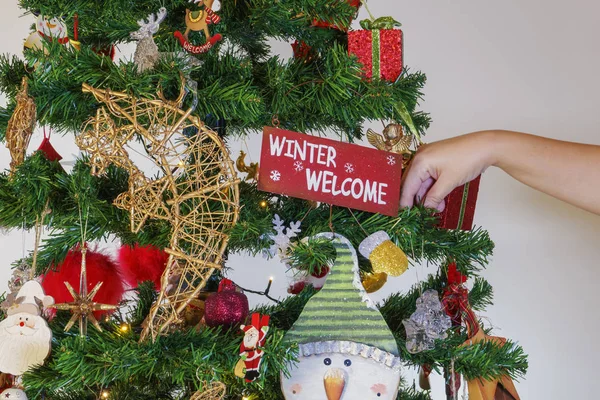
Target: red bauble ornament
(100, 268)
(227, 308)
(142, 263)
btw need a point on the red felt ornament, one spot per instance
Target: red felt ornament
(302, 51)
(100, 268)
(48, 150)
(142, 263)
(320, 273)
(227, 308)
(296, 287)
(324, 24)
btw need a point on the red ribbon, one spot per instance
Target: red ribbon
(211, 17)
(456, 301)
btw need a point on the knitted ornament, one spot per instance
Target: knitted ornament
(227, 307)
(100, 268)
(384, 255)
(345, 346)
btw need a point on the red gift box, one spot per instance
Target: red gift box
(460, 207)
(379, 48)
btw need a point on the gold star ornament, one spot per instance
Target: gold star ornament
(83, 305)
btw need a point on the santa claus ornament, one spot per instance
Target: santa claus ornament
(346, 349)
(251, 351)
(25, 337)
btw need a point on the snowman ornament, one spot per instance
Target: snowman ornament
(346, 349)
(48, 30)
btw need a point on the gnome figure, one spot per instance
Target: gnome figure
(346, 349)
(25, 337)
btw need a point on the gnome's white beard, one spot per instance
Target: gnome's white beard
(23, 347)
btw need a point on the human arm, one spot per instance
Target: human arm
(565, 170)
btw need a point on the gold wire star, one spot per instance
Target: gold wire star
(83, 305)
(83, 308)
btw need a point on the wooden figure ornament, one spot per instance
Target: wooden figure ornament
(251, 351)
(198, 21)
(496, 389)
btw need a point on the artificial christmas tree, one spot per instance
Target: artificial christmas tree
(184, 107)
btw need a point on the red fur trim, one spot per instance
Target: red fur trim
(142, 263)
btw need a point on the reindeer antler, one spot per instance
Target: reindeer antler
(151, 26)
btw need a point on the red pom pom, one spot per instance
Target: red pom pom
(100, 268)
(142, 263)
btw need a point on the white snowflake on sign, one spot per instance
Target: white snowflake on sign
(275, 175)
(349, 168)
(391, 160)
(298, 166)
(281, 240)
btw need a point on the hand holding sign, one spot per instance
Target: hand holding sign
(338, 173)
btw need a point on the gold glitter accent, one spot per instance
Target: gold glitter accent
(389, 258)
(374, 282)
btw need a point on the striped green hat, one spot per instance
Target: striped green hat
(342, 311)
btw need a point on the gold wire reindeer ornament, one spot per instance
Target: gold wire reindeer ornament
(197, 194)
(393, 140)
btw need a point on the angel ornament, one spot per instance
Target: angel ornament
(393, 140)
(146, 53)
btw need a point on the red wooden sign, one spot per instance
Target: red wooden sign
(329, 171)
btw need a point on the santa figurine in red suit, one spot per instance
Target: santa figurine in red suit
(250, 349)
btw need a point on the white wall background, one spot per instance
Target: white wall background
(528, 65)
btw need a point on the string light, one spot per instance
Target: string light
(263, 204)
(105, 394)
(124, 328)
